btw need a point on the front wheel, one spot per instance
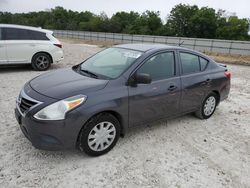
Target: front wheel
(208, 106)
(99, 135)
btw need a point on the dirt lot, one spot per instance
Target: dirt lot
(184, 152)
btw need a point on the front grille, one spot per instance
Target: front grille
(26, 104)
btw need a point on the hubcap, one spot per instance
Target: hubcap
(209, 105)
(101, 136)
(42, 62)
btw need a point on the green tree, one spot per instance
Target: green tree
(204, 23)
(124, 21)
(148, 23)
(179, 20)
(184, 21)
(233, 29)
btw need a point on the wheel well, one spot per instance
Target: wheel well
(44, 53)
(218, 95)
(115, 114)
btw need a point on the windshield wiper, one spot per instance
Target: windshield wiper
(89, 73)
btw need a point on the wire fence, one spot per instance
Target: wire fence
(203, 45)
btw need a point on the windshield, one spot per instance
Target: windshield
(110, 63)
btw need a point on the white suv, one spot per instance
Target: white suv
(24, 44)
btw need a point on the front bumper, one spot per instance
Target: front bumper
(57, 56)
(42, 136)
(49, 135)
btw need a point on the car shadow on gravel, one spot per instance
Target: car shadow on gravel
(24, 68)
(15, 68)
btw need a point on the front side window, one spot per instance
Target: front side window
(1, 34)
(111, 62)
(160, 66)
(16, 34)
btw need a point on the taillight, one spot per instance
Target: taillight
(228, 74)
(58, 45)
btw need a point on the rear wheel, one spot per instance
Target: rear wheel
(99, 135)
(41, 62)
(208, 106)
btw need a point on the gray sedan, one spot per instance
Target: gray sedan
(90, 105)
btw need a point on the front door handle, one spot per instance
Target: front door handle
(172, 88)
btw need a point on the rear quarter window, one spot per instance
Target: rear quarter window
(36, 35)
(203, 63)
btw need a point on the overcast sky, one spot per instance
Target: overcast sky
(240, 7)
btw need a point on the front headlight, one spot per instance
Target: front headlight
(57, 110)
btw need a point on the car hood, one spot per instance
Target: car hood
(65, 83)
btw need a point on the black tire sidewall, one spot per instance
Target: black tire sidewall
(34, 58)
(83, 139)
(203, 105)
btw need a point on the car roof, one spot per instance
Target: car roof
(26, 27)
(143, 47)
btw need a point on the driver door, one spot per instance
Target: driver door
(160, 98)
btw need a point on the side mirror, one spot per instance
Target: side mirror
(140, 78)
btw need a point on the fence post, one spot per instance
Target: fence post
(230, 48)
(194, 43)
(166, 40)
(212, 45)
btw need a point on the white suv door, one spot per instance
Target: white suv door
(3, 56)
(19, 46)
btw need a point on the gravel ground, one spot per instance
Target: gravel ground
(183, 152)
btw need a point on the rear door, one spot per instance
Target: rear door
(196, 81)
(19, 46)
(160, 98)
(3, 56)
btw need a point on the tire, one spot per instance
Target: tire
(208, 106)
(41, 62)
(95, 144)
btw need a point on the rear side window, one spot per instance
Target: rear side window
(1, 34)
(192, 63)
(160, 66)
(23, 34)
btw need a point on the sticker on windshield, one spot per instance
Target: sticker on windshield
(131, 54)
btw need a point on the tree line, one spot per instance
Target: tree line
(183, 21)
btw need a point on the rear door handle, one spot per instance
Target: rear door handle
(207, 81)
(172, 88)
